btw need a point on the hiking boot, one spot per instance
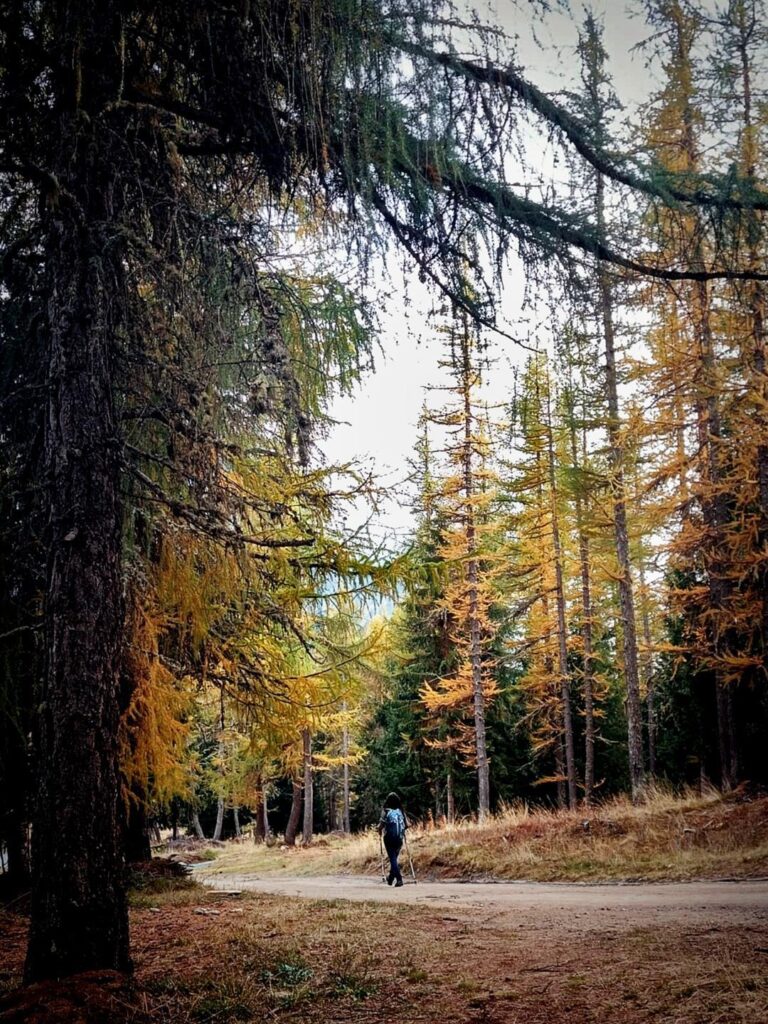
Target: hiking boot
(398, 883)
(390, 879)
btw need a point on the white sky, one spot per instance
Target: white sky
(379, 423)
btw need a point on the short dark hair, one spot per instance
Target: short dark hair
(393, 802)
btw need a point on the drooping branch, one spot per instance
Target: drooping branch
(605, 163)
(532, 221)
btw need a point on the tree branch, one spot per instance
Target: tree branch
(560, 118)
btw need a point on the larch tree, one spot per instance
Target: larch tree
(704, 537)
(741, 29)
(471, 565)
(580, 413)
(542, 571)
(596, 106)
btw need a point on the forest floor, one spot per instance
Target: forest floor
(202, 957)
(666, 838)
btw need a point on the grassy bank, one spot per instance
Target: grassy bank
(667, 837)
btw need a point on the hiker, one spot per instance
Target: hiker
(392, 826)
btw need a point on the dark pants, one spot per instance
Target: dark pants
(393, 847)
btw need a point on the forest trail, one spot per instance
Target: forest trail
(582, 907)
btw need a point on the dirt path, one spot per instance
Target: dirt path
(579, 907)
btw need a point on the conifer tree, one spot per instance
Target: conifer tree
(464, 499)
(579, 409)
(704, 537)
(542, 570)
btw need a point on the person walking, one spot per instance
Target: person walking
(392, 826)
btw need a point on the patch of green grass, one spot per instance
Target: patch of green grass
(220, 1006)
(467, 986)
(287, 974)
(415, 974)
(351, 984)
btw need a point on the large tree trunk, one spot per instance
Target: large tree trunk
(79, 913)
(309, 822)
(483, 773)
(295, 816)
(220, 808)
(560, 770)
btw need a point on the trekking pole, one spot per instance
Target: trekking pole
(410, 858)
(381, 851)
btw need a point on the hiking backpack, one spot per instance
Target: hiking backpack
(394, 824)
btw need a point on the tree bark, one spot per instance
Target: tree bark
(450, 807)
(79, 912)
(236, 820)
(219, 819)
(308, 825)
(295, 816)
(195, 819)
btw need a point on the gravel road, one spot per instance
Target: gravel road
(583, 906)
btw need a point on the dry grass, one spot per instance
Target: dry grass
(667, 837)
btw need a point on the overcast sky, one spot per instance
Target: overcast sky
(378, 424)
